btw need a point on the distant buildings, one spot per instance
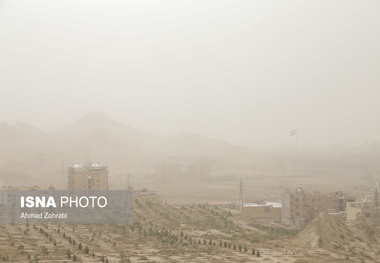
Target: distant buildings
(182, 171)
(167, 171)
(369, 207)
(198, 171)
(299, 207)
(263, 210)
(144, 196)
(7, 195)
(88, 177)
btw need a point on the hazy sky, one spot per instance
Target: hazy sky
(245, 71)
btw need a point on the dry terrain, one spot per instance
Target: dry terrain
(187, 233)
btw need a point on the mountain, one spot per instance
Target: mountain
(99, 135)
(195, 144)
(21, 140)
(21, 132)
(97, 129)
(26, 150)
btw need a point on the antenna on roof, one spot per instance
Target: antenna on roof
(87, 161)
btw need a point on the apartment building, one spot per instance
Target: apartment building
(300, 207)
(87, 177)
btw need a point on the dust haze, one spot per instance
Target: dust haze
(202, 102)
(247, 72)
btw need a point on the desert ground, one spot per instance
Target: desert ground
(190, 233)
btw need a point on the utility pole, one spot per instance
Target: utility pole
(376, 207)
(241, 190)
(64, 177)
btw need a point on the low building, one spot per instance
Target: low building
(262, 210)
(145, 196)
(7, 194)
(368, 206)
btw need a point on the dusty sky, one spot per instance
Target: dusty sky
(244, 71)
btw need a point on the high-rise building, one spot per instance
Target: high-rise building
(87, 177)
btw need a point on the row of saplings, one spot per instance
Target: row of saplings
(72, 241)
(86, 250)
(75, 258)
(225, 244)
(189, 240)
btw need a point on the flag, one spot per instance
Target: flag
(293, 132)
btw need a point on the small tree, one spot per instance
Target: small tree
(86, 250)
(245, 249)
(253, 251)
(74, 258)
(240, 247)
(80, 246)
(258, 254)
(68, 254)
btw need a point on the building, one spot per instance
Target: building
(198, 171)
(144, 196)
(263, 210)
(7, 195)
(299, 207)
(88, 177)
(369, 207)
(167, 171)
